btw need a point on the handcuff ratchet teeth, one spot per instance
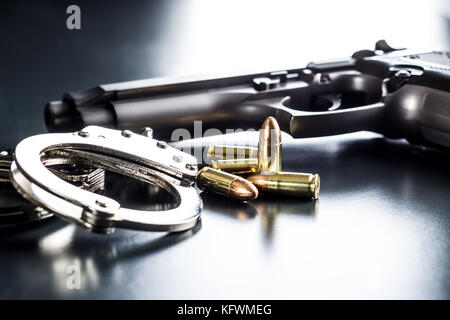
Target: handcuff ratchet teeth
(22, 211)
(123, 152)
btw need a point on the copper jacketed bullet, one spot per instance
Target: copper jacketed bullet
(237, 166)
(269, 147)
(223, 152)
(226, 184)
(288, 183)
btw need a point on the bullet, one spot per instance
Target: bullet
(237, 166)
(226, 184)
(269, 147)
(223, 152)
(288, 183)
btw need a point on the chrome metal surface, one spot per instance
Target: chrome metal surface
(20, 211)
(6, 157)
(130, 154)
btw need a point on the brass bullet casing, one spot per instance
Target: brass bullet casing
(288, 183)
(223, 152)
(226, 184)
(237, 166)
(269, 147)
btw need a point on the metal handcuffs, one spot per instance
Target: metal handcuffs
(20, 211)
(124, 152)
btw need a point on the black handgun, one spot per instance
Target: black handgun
(394, 92)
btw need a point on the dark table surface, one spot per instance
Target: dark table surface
(379, 230)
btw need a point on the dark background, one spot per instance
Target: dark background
(380, 229)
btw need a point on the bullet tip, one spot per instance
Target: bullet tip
(271, 123)
(270, 132)
(260, 181)
(243, 190)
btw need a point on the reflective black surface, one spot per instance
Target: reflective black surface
(379, 230)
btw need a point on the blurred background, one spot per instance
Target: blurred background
(125, 40)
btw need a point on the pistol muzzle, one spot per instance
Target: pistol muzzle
(60, 116)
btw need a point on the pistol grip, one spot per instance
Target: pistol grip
(420, 114)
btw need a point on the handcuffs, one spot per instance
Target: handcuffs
(134, 155)
(14, 209)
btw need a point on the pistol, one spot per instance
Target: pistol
(395, 92)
